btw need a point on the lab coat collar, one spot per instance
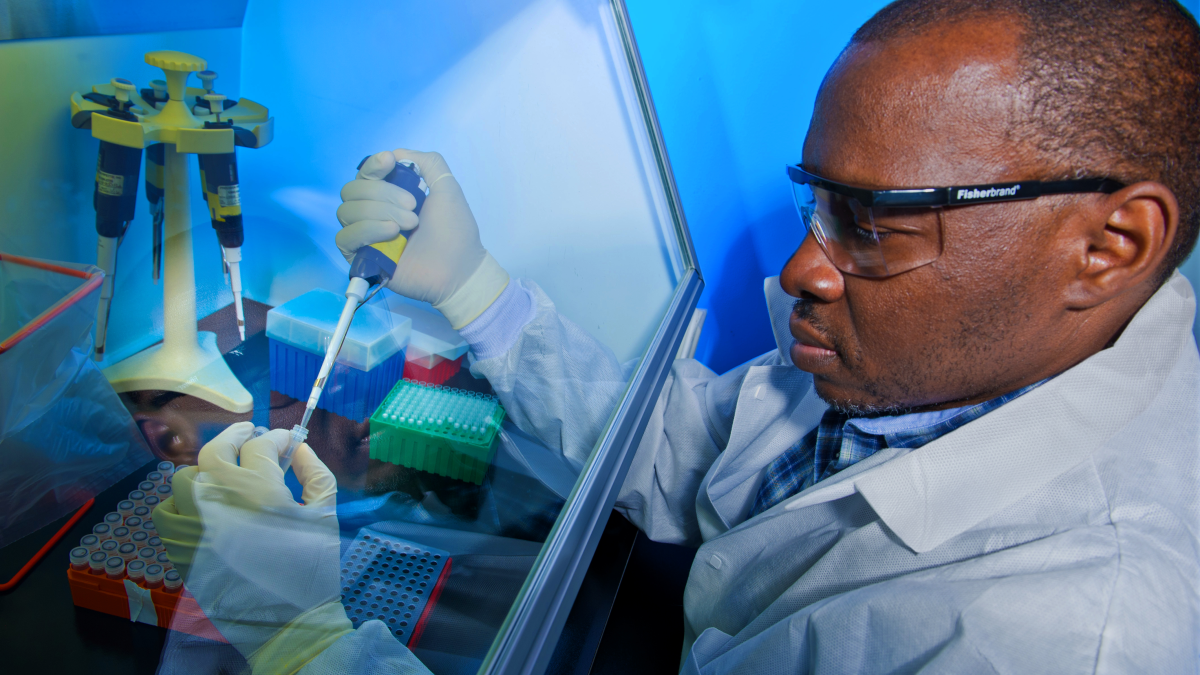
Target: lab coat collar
(779, 308)
(939, 491)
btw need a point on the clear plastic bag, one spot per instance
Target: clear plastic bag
(64, 434)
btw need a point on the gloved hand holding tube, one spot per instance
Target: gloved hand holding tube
(443, 262)
(262, 567)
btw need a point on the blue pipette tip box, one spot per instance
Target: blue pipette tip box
(442, 430)
(370, 362)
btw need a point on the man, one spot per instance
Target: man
(977, 451)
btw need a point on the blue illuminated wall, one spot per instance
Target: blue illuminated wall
(733, 84)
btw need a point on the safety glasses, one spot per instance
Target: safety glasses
(879, 233)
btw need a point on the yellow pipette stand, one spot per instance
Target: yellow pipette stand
(186, 361)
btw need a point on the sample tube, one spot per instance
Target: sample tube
(134, 522)
(147, 487)
(142, 512)
(152, 502)
(153, 576)
(96, 562)
(127, 552)
(139, 538)
(121, 534)
(163, 491)
(102, 530)
(109, 547)
(155, 477)
(114, 567)
(170, 479)
(115, 518)
(79, 558)
(148, 526)
(166, 468)
(147, 555)
(138, 498)
(155, 543)
(165, 560)
(91, 542)
(125, 508)
(172, 582)
(136, 570)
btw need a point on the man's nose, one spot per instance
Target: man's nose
(809, 274)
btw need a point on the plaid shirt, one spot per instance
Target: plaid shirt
(839, 441)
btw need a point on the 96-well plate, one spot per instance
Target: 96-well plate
(393, 580)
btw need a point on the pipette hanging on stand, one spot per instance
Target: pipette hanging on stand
(219, 181)
(115, 201)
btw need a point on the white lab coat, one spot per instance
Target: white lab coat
(1057, 534)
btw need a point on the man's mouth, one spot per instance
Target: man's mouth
(810, 342)
(811, 351)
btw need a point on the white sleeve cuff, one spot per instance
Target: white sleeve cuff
(496, 330)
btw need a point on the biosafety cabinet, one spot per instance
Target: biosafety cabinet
(123, 207)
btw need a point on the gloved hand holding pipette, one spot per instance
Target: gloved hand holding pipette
(444, 262)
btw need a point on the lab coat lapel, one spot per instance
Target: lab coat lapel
(777, 405)
(932, 494)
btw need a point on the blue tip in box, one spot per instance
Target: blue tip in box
(370, 362)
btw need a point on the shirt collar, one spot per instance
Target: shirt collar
(941, 490)
(898, 424)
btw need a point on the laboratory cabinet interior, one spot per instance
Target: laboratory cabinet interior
(170, 271)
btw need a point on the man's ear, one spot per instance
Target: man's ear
(1121, 242)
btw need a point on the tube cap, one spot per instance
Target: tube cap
(114, 567)
(154, 574)
(136, 570)
(127, 552)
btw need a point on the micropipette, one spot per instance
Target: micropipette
(115, 199)
(219, 180)
(373, 265)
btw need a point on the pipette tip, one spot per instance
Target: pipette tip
(299, 434)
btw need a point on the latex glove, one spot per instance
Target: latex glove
(265, 569)
(178, 522)
(444, 262)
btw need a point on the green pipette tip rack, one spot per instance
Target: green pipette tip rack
(442, 430)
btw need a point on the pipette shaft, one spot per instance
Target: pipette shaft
(374, 264)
